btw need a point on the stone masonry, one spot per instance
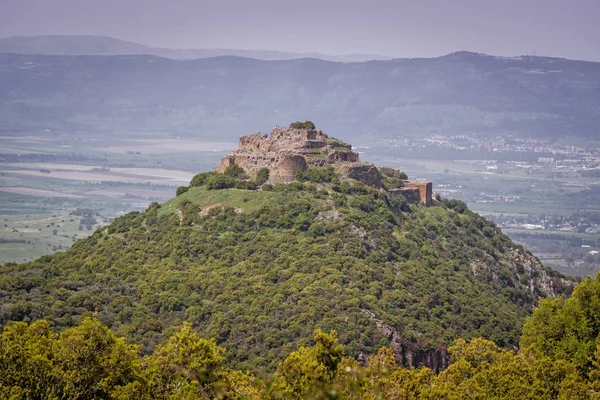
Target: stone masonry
(425, 191)
(287, 151)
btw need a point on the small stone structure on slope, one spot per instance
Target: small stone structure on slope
(288, 150)
(417, 192)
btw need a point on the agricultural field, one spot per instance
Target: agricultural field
(45, 178)
(27, 237)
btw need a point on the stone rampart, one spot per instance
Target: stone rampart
(286, 151)
(425, 191)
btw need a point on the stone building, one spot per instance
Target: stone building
(286, 151)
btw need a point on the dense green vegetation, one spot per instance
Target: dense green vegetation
(568, 329)
(89, 361)
(318, 175)
(260, 270)
(391, 178)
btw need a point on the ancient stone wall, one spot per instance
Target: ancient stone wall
(411, 195)
(286, 167)
(227, 161)
(425, 191)
(287, 151)
(343, 156)
(366, 173)
(256, 142)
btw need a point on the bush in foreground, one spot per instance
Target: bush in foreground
(89, 361)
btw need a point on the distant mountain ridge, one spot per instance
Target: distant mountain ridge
(460, 93)
(75, 45)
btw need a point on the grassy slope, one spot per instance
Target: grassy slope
(248, 201)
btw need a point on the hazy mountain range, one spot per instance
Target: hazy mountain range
(460, 93)
(107, 46)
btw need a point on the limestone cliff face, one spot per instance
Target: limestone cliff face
(535, 279)
(286, 151)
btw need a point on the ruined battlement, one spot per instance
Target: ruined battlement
(283, 139)
(288, 150)
(425, 190)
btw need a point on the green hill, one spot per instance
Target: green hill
(260, 270)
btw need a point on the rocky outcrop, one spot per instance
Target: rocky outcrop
(527, 273)
(407, 353)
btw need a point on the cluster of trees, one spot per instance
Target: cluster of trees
(88, 218)
(559, 359)
(90, 362)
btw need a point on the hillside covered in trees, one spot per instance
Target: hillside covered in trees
(259, 267)
(559, 359)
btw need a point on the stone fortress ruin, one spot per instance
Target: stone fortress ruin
(288, 150)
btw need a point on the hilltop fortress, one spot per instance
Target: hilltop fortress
(288, 150)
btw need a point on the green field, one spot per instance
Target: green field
(45, 176)
(27, 237)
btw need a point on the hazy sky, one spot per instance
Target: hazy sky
(403, 28)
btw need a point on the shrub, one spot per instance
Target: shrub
(392, 178)
(303, 125)
(245, 185)
(220, 181)
(456, 205)
(317, 174)
(201, 178)
(289, 187)
(262, 176)
(235, 171)
(181, 190)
